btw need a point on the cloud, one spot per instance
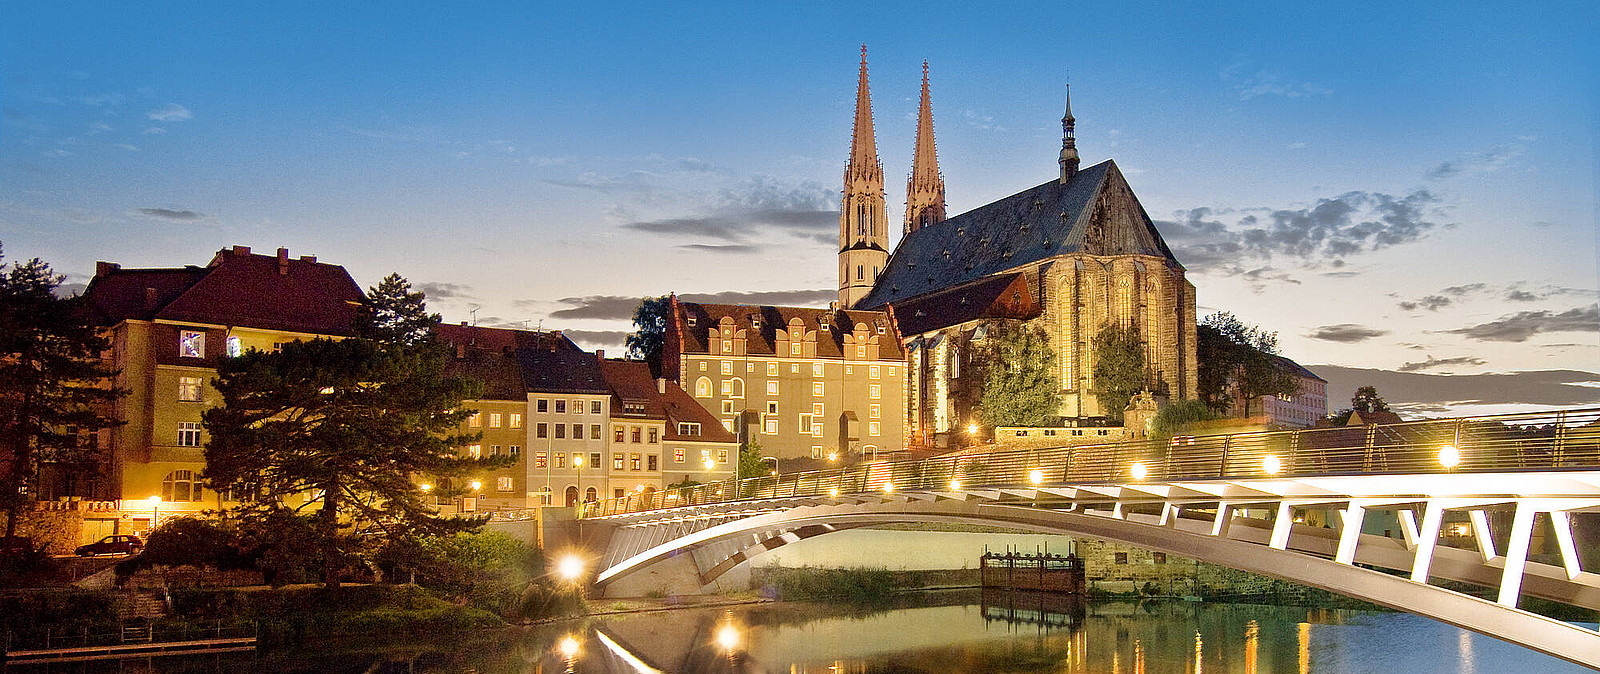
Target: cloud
(1443, 298)
(152, 131)
(1435, 363)
(1482, 161)
(738, 213)
(170, 214)
(171, 112)
(620, 307)
(125, 146)
(1268, 83)
(1326, 233)
(1347, 333)
(98, 128)
(599, 338)
(733, 248)
(445, 291)
(1520, 326)
(1411, 389)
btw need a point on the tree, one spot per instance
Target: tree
(1238, 359)
(54, 388)
(1180, 416)
(650, 331)
(392, 314)
(1119, 368)
(1366, 400)
(1018, 389)
(349, 422)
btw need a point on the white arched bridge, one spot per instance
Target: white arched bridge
(1460, 520)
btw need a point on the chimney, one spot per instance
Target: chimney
(151, 299)
(661, 386)
(308, 258)
(283, 261)
(241, 250)
(101, 268)
(600, 354)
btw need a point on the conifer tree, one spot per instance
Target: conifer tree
(1018, 389)
(1119, 368)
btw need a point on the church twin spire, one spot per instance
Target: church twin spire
(925, 187)
(863, 231)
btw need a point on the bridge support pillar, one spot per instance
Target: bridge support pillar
(1427, 539)
(1349, 533)
(1516, 555)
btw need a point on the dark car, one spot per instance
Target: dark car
(112, 545)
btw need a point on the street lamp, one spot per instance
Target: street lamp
(1139, 470)
(774, 461)
(1272, 464)
(1036, 476)
(1449, 457)
(155, 511)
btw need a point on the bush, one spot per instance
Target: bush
(56, 607)
(858, 585)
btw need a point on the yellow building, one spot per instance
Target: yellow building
(169, 329)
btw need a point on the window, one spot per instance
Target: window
(233, 347)
(515, 450)
(577, 431)
(677, 455)
(860, 274)
(688, 428)
(475, 420)
(794, 350)
(619, 434)
(515, 421)
(727, 367)
(816, 451)
(561, 459)
(617, 461)
(188, 434)
(503, 483)
(633, 409)
(494, 450)
(1158, 557)
(561, 407)
(544, 405)
(191, 344)
(727, 407)
(702, 388)
(727, 387)
(594, 431)
(816, 429)
(805, 424)
(538, 460)
(728, 424)
(891, 370)
(577, 407)
(475, 451)
(180, 485)
(655, 436)
(722, 456)
(849, 369)
(541, 430)
(874, 428)
(635, 433)
(772, 407)
(749, 367)
(494, 420)
(770, 426)
(874, 411)
(794, 368)
(594, 405)
(634, 462)
(705, 455)
(189, 389)
(594, 459)
(772, 369)
(702, 365)
(861, 352)
(652, 462)
(873, 371)
(561, 431)
(1122, 558)
(817, 409)
(738, 388)
(875, 391)
(772, 387)
(818, 388)
(816, 369)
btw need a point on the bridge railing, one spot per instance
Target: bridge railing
(1558, 440)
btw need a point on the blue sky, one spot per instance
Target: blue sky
(1395, 187)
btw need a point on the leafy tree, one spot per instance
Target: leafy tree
(54, 387)
(1366, 400)
(1236, 358)
(349, 423)
(650, 331)
(1119, 368)
(750, 463)
(1180, 416)
(1018, 389)
(392, 314)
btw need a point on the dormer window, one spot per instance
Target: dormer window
(633, 408)
(688, 428)
(690, 320)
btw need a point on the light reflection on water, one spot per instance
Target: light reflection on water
(957, 632)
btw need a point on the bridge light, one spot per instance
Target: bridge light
(1139, 470)
(1272, 464)
(568, 647)
(833, 456)
(728, 637)
(1036, 476)
(888, 487)
(834, 492)
(570, 568)
(972, 429)
(955, 485)
(1449, 456)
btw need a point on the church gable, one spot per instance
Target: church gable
(1117, 224)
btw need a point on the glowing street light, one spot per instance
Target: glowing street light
(425, 487)
(833, 492)
(728, 637)
(833, 456)
(888, 487)
(1139, 470)
(972, 429)
(1449, 456)
(570, 568)
(710, 464)
(1272, 464)
(1035, 476)
(569, 647)
(475, 485)
(955, 485)
(577, 462)
(155, 510)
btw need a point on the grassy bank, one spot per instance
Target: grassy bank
(301, 614)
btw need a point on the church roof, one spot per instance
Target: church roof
(1035, 224)
(998, 296)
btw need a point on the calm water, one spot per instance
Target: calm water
(963, 631)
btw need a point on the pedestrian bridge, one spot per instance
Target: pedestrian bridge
(1460, 520)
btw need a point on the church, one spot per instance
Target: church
(1069, 256)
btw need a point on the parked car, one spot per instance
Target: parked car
(15, 546)
(125, 544)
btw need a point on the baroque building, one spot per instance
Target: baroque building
(1069, 256)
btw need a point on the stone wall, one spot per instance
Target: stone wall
(58, 529)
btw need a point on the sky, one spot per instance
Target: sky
(1405, 187)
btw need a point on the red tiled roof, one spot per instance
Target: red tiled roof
(696, 337)
(630, 382)
(503, 340)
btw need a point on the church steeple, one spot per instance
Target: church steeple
(1069, 141)
(925, 187)
(863, 230)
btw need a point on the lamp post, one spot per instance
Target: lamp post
(577, 466)
(155, 511)
(774, 461)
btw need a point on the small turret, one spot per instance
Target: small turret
(1069, 141)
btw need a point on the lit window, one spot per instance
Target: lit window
(891, 370)
(515, 420)
(233, 346)
(816, 429)
(874, 429)
(727, 367)
(772, 387)
(875, 391)
(817, 409)
(817, 389)
(816, 451)
(705, 455)
(494, 420)
(475, 420)
(561, 459)
(678, 455)
(772, 369)
(538, 459)
(728, 424)
(749, 367)
(577, 407)
(849, 369)
(794, 348)
(634, 462)
(727, 387)
(188, 434)
(873, 371)
(180, 485)
(617, 461)
(635, 434)
(619, 434)
(503, 483)
(816, 369)
(874, 411)
(474, 451)
(655, 436)
(702, 388)
(702, 366)
(794, 368)
(191, 344)
(189, 389)
(722, 456)
(770, 427)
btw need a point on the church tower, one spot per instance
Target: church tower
(925, 187)
(1069, 141)
(863, 223)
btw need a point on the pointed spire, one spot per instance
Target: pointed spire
(863, 142)
(863, 235)
(1069, 141)
(925, 188)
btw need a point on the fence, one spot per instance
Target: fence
(1561, 440)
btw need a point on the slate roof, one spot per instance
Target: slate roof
(238, 288)
(968, 302)
(503, 340)
(696, 337)
(1298, 369)
(561, 371)
(1035, 224)
(630, 381)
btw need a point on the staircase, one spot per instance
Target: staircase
(142, 604)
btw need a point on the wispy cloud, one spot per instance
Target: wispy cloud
(445, 291)
(1441, 363)
(171, 214)
(741, 211)
(1481, 161)
(620, 307)
(1250, 82)
(1346, 333)
(171, 112)
(1520, 326)
(1443, 298)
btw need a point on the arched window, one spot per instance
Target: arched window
(590, 495)
(737, 388)
(180, 485)
(572, 496)
(702, 387)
